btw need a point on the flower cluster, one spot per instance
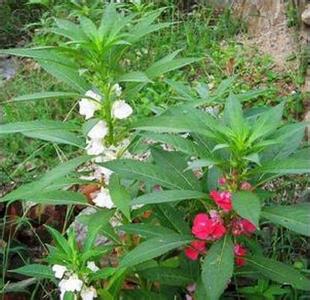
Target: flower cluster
(96, 135)
(88, 106)
(209, 227)
(70, 282)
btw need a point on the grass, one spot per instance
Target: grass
(21, 157)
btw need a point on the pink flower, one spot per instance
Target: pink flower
(246, 186)
(222, 199)
(242, 226)
(207, 228)
(195, 249)
(222, 181)
(239, 251)
(202, 226)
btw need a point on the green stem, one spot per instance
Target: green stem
(108, 115)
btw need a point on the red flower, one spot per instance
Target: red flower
(245, 186)
(202, 226)
(248, 226)
(222, 199)
(207, 228)
(222, 181)
(239, 251)
(242, 226)
(194, 249)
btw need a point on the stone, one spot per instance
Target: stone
(305, 16)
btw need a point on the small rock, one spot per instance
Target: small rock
(305, 16)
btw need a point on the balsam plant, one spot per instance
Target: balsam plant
(92, 57)
(211, 199)
(202, 201)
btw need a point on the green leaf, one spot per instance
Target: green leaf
(143, 171)
(102, 274)
(172, 218)
(35, 270)
(95, 223)
(120, 196)
(168, 196)
(247, 205)
(279, 272)
(267, 123)
(180, 144)
(233, 115)
(163, 66)
(57, 136)
(153, 248)
(167, 276)
(44, 96)
(190, 120)
(45, 183)
(88, 27)
(176, 163)
(67, 75)
(201, 163)
(57, 198)
(284, 167)
(294, 217)
(294, 133)
(33, 126)
(146, 230)
(60, 242)
(69, 30)
(50, 54)
(217, 267)
(134, 77)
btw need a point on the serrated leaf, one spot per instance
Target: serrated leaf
(172, 218)
(294, 217)
(247, 205)
(143, 171)
(217, 268)
(153, 248)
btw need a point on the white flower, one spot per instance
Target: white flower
(121, 110)
(59, 270)
(103, 199)
(99, 131)
(92, 266)
(99, 171)
(88, 106)
(117, 89)
(95, 147)
(72, 284)
(88, 293)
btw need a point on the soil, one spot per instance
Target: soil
(268, 28)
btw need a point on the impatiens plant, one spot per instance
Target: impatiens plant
(177, 210)
(210, 196)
